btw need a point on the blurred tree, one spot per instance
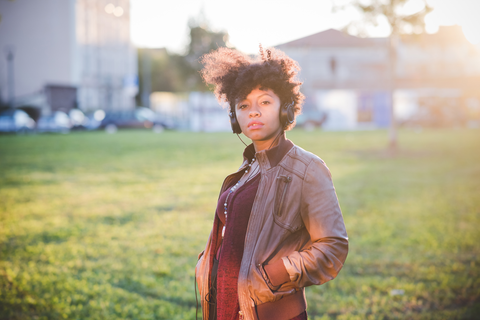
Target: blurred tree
(202, 40)
(160, 70)
(402, 17)
(175, 72)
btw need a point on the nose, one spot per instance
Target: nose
(254, 111)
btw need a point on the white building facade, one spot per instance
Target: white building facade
(345, 78)
(72, 44)
(436, 79)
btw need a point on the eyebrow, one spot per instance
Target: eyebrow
(264, 94)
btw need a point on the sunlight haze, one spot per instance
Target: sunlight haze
(165, 24)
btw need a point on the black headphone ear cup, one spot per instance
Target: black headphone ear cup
(283, 115)
(291, 113)
(234, 123)
(287, 114)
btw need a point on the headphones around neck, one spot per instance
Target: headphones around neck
(287, 116)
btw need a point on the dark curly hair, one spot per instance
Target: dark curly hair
(234, 75)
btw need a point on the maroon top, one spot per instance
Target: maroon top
(231, 252)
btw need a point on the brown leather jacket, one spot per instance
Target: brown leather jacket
(295, 217)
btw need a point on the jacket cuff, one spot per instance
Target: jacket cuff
(277, 273)
(291, 270)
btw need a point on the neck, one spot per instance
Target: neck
(267, 144)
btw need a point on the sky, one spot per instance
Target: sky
(161, 23)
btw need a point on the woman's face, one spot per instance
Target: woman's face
(258, 116)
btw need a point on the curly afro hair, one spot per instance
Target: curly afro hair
(234, 75)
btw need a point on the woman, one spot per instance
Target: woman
(278, 227)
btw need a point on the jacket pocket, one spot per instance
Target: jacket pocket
(286, 288)
(286, 206)
(283, 183)
(265, 277)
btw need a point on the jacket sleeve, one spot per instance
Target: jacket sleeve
(323, 220)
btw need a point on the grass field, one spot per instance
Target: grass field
(96, 226)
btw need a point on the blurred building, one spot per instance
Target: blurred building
(67, 53)
(438, 79)
(193, 111)
(345, 77)
(347, 85)
(206, 114)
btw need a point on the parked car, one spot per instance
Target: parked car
(94, 119)
(311, 119)
(14, 120)
(77, 119)
(56, 122)
(138, 118)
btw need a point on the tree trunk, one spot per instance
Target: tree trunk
(392, 51)
(146, 78)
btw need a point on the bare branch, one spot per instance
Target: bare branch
(389, 9)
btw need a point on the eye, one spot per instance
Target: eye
(241, 106)
(265, 102)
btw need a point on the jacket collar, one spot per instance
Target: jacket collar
(271, 157)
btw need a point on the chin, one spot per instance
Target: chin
(260, 136)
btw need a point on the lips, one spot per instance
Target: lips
(255, 124)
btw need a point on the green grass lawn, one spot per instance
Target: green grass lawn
(97, 226)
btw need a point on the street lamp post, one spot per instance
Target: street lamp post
(10, 75)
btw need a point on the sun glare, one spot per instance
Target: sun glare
(461, 12)
(308, 17)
